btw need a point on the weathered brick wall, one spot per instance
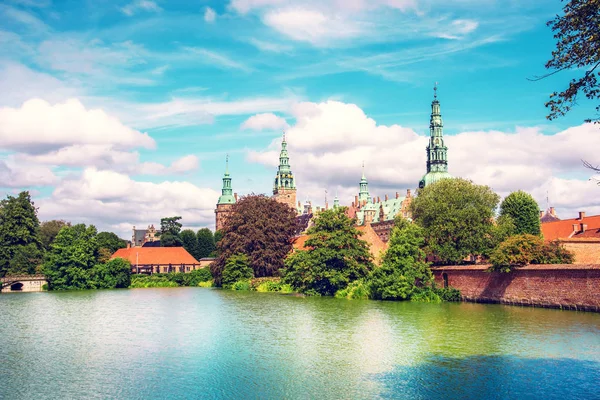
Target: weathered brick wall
(556, 286)
(586, 251)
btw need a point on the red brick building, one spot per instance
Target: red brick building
(581, 235)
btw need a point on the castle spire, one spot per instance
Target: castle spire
(363, 194)
(226, 191)
(437, 152)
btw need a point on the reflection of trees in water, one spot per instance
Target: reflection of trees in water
(493, 377)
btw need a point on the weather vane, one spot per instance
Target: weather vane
(435, 90)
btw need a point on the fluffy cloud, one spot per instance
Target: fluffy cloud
(265, 121)
(37, 126)
(140, 5)
(210, 15)
(116, 202)
(17, 175)
(330, 141)
(179, 166)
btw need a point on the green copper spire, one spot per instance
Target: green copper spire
(437, 152)
(363, 194)
(284, 177)
(226, 192)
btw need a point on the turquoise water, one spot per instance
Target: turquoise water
(185, 343)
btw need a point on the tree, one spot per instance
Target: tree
(190, 243)
(336, 256)
(115, 273)
(218, 236)
(19, 235)
(237, 268)
(169, 232)
(71, 257)
(520, 250)
(524, 212)
(206, 242)
(49, 230)
(457, 216)
(110, 241)
(403, 268)
(262, 229)
(577, 34)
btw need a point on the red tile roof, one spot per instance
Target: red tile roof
(564, 229)
(156, 256)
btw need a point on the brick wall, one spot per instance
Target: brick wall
(556, 286)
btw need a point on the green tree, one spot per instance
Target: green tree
(190, 243)
(457, 216)
(336, 256)
(206, 243)
(169, 232)
(49, 230)
(110, 241)
(115, 273)
(520, 250)
(403, 268)
(577, 34)
(218, 236)
(19, 235)
(71, 257)
(237, 268)
(261, 228)
(524, 212)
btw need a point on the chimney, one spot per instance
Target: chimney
(408, 193)
(583, 227)
(541, 213)
(581, 215)
(397, 195)
(235, 197)
(128, 244)
(552, 212)
(378, 199)
(356, 200)
(575, 228)
(326, 205)
(386, 197)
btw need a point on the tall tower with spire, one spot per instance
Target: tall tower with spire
(284, 186)
(226, 200)
(363, 194)
(437, 152)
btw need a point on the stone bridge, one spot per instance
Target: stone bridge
(22, 283)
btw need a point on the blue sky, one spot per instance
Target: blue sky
(120, 112)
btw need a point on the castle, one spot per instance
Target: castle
(367, 210)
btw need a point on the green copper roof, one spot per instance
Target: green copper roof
(432, 177)
(226, 192)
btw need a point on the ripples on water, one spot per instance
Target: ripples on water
(204, 343)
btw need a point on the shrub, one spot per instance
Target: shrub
(151, 281)
(240, 285)
(193, 278)
(237, 268)
(448, 294)
(520, 250)
(45, 287)
(355, 290)
(425, 295)
(206, 284)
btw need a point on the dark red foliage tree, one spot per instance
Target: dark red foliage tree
(262, 229)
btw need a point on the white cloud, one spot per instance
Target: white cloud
(114, 201)
(38, 126)
(182, 165)
(330, 140)
(265, 121)
(218, 59)
(311, 25)
(19, 175)
(269, 46)
(210, 15)
(140, 5)
(458, 29)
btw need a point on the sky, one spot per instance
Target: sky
(119, 113)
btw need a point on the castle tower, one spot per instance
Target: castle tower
(363, 194)
(437, 152)
(336, 202)
(226, 200)
(284, 187)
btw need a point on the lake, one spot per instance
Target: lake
(182, 343)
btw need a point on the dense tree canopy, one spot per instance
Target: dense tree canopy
(169, 232)
(457, 217)
(520, 250)
(577, 34)
(262, 229)
(335, 256)
(110, 241)
(206, 242)
(237, 268)
(49, 230)
(20, 247)
(524, 212)
(403, 267)
(189, 241)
